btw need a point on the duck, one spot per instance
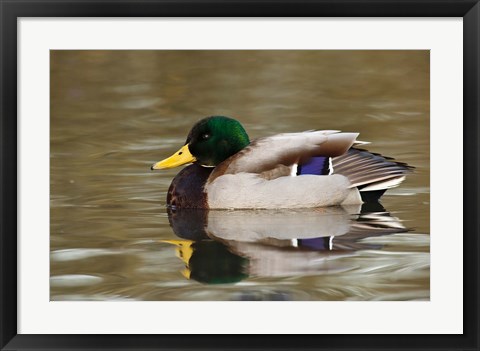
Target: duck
(315, 168)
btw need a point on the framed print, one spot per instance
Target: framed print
(253, 174)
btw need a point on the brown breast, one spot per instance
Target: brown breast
(186, 190)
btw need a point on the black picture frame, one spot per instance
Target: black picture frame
(12, 10)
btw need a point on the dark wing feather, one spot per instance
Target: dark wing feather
(369, 171)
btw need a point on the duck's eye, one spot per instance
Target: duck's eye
(205, 136)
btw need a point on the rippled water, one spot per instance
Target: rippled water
(114, 113)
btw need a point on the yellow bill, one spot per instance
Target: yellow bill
(181, 157)
(184, 248)
(186, 273)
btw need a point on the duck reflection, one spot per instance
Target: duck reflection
(229, 246)
(210, 262)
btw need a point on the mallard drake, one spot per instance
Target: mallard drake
(290, 170)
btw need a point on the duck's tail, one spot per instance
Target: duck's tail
(371, 173)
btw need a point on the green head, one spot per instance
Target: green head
(214, 139)
(211, 141)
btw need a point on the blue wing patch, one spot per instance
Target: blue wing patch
(318, 165)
